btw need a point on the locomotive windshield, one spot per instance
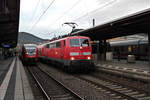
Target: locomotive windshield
(84, 42)
(79, 42)
(30, 49)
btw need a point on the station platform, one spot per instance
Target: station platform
(139, 65)
(14, 84)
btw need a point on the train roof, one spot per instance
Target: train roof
(129, 42)
(68, 38)
(41, 45)
(29, 45)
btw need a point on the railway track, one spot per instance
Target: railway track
(51, 88)
(117, 91)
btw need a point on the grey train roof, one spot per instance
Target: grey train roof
(30, 45)
(129, 42)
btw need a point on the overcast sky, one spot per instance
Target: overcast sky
(79, 11)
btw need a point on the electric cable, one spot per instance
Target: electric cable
(42, 15)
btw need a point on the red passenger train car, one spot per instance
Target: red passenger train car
(29, 54)
(72, 53)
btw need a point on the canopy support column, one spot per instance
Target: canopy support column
(149, 47)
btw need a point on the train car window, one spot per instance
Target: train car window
(84, 42)
(47, 46)
(109, 49)
(122, 48)
(74, 42)
(64, 43)
(53, 45)
(40, 52)
(58, 44)
(146, 49)
(134, 49)
(129, 49)
(50, 46)
(116, 49)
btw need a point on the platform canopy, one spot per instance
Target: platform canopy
(128, 25)
(9, 22)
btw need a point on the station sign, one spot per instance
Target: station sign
(6, 45)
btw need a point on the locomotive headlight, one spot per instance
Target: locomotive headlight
(72, 58)
(88, 58)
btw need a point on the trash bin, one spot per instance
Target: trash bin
(131, 59)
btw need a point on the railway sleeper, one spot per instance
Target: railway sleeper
(144, 98)
(132, 93)
(139, 95)
(126, 91)
(110, 85)
(119, 87)
(61, 96)
(118, 97)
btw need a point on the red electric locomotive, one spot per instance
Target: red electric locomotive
(74, 53)
(29, 53)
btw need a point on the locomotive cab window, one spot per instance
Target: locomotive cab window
(74, 42)
(79, 42)
(84, 42)
(30, 49)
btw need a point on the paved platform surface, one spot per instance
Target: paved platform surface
(14, 84)
(142, 65)
(4, 67)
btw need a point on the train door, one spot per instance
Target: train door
(46, 50)
(58, 49)
(43, 51)
(85, 48)
(63, 49)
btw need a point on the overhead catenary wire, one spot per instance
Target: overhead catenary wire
(60, 17)
(42, 15)
(33, 14)
(101, 7)
(75, 4)
(105, 5)
(35, 10)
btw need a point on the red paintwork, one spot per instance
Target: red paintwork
(64, 52)
(41, 50)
